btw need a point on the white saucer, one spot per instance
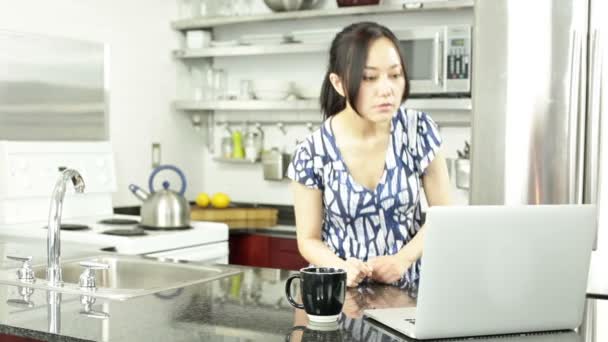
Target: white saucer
(323, 319)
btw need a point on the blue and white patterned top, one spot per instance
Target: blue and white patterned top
(358, 222)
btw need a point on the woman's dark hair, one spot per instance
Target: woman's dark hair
(347, 59)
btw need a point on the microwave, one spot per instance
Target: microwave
(438, 59)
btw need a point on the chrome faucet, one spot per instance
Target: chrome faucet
(53, 243)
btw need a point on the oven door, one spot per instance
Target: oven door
(211, 253)
(423, 51)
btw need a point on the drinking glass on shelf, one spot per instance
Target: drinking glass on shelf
(202, 83)
(189, 8)
(225, 8)
(209, 84)
(220, 84)
(242, 7)
(245, 92)
(196, 84)
(204, 8)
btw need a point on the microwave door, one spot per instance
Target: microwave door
(422, 49)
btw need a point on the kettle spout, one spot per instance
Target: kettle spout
(139, 192)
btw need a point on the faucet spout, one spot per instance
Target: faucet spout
(53, 272)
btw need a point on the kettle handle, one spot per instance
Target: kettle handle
(167, 167)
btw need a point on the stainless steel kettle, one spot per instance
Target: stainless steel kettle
(163, 209)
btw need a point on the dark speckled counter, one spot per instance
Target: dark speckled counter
(245, 307)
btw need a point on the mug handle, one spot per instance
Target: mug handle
(288, 291)
(297, 327)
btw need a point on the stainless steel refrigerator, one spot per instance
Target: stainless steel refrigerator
(539, 103)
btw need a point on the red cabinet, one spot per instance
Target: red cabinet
(11, 338)
(265, 251)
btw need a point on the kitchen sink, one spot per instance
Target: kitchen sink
(127, 277)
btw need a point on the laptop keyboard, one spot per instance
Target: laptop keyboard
(411, 320)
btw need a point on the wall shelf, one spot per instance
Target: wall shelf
(457, 104)
(247, 105)
(210, 22)
(250, 50)
(234, 161)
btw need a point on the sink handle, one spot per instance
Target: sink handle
(25, 273)
(87, 278)
(92, 265)
(18, 258)
(87, 308)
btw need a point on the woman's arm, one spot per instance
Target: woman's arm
(436, 183)
(308, 205)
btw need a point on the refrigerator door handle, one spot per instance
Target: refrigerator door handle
(592, 172)
(576, 123)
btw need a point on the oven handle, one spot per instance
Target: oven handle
(438, 50)
(194, 253)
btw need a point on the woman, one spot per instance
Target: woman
(357, 179)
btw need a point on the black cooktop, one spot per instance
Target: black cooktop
(71, 226)
(126, 232)
(118, 221)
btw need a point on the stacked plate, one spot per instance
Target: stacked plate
(223, 43)
(263, 39)
(321, 36)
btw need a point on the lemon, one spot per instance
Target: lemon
(220, 200)
(202, 200)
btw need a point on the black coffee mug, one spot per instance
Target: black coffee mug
(322, 290)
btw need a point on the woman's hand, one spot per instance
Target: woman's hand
(357, 300)
(356, 271)
(389, 268)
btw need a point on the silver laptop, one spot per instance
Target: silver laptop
(489, 270)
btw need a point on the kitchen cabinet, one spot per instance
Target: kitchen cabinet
(11, 338)
(265, 251)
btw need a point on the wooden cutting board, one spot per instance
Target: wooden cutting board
(236, 217)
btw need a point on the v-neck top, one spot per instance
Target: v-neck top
(359, 222)
(387, 154)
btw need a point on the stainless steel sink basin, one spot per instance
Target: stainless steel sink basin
(127, 277)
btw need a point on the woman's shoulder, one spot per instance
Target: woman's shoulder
(407, 117)
(404, 113)
(314, 143)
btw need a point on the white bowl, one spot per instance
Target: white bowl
(307, 90)
(270, 95)
(289, 5)
(270, 85)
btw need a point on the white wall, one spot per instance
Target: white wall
(142, 82)
(142, 78)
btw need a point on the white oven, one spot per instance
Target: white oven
(438, 59)
(215, 253)
(28, 172)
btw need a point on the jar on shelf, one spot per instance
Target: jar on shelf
(253, 146)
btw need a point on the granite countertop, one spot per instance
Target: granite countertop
(247, 306)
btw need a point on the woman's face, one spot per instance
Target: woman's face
(383, 82)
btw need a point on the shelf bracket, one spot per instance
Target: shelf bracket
(210, 132)
(196, 118)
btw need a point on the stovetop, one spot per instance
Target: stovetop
(152, 241)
